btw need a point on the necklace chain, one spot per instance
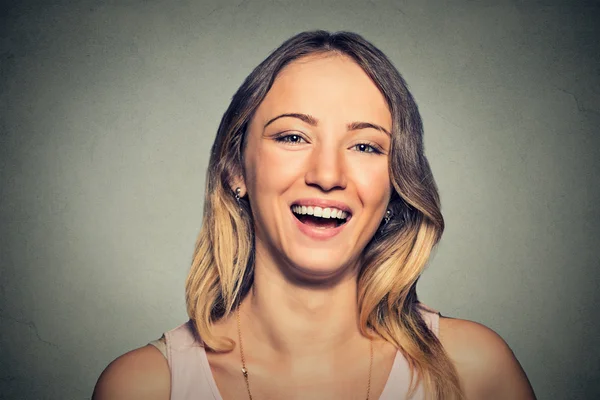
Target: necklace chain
(245, 370)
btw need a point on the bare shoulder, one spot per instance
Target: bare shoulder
(486, 366)
(139, 374)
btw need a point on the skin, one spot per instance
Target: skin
(309, 338)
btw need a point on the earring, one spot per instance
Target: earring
(386, 219)
(388, 216)
(237, 197)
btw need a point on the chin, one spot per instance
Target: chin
(317, 266)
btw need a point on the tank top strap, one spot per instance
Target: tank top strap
(431, 318)
(190, 370)
(399, 378)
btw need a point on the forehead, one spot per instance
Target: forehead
(326, 86)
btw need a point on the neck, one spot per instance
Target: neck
(299, 320)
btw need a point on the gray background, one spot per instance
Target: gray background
(109, 108)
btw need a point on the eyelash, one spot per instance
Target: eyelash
(286, 139)
(374, 150)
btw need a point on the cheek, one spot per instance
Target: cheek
(271, 170)
(372, 182)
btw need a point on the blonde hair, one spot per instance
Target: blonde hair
(223, 264)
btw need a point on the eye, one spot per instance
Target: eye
(290, 138)
(367, 148)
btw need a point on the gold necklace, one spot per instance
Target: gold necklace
(245, 370)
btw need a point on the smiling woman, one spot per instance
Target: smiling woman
(320, 215)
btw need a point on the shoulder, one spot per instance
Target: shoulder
(139, 374)
(486, 366)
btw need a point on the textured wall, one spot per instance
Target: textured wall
(108, 110)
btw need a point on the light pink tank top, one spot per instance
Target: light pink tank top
(192, 379)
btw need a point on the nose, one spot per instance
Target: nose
(326, 169)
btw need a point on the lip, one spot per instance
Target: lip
(320, 233)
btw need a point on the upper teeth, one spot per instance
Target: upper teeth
(328, 212)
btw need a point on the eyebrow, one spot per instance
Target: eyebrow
(312, 121)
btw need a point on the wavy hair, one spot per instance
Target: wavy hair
(223, 263)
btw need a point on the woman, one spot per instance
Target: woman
(320, 215)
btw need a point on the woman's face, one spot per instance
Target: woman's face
(318, 143)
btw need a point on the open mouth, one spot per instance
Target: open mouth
(322, 218)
